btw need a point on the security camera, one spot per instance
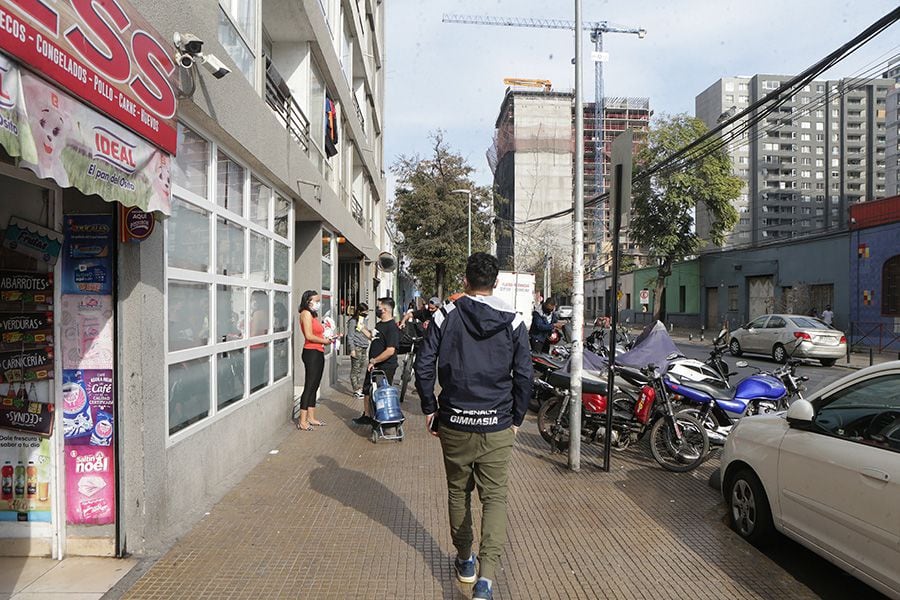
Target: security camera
(188, 43)
(215, 66)
(186, 60)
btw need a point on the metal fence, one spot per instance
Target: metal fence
(880, 335)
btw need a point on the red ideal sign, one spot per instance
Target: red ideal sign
(102, 51)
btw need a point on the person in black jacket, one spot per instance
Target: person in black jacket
(543, 322)
(477, 349)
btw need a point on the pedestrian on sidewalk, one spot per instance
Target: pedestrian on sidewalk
(313, 358)
(477, 349)
(382, 354)
(359, 345)
(828, 315)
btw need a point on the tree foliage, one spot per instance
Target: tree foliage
(434, 221)
(664, 204)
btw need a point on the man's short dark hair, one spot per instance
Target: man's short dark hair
(387, 301)
(481, 271)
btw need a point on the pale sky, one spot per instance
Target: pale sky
(450, 77)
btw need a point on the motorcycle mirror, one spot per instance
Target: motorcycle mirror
(742, 364)
(673, 356)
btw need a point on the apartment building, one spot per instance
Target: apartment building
(892, 132)
(806, 162)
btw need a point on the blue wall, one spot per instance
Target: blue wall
(869, 249)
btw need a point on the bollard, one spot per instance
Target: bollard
(690, 337)
(702, 330)
(871, 357)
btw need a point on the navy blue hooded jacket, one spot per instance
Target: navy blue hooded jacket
(477, 349)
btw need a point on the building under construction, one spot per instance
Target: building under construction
(619, 114)
(531, 159)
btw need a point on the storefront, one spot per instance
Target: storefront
(86, 144)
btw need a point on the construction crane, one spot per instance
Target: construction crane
(596, 29)
(519, 82)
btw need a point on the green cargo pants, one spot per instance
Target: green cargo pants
(478, 460)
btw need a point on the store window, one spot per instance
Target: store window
(327, 264)
(228, 249)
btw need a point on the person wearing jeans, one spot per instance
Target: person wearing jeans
(477, 349)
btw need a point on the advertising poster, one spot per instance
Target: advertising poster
(87, 332)
(25, 483)
(60, 138)
(87, 260)
(90, 485)
(88, 407)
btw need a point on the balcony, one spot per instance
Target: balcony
(356, 210)
(286, 109)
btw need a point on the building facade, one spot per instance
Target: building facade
(190, 220)
(892, 132)
(806, 162)
(619, 114)
(874, 256)
(533, 177)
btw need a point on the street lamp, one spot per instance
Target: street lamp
(469, 212)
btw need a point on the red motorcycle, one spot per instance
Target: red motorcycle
(678, 442)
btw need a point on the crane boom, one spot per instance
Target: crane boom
(602, 26)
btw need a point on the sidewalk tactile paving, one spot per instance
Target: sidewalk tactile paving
(334, 516)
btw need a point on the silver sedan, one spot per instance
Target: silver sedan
(785, 336)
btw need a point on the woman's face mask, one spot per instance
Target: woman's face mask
(315, 305)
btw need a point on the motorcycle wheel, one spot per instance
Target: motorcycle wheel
(547, 416)
(677, 455)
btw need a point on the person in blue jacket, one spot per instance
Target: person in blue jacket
(542, 325)
(477, 349)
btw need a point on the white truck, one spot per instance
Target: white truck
(517, 290)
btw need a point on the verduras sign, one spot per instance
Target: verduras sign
(102, 51)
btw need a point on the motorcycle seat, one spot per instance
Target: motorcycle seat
(591, 383)
(716, 391)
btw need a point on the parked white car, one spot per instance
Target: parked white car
(827, 474)
(783, 336)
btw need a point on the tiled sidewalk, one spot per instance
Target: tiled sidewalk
(334, 516)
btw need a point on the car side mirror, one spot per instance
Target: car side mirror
(800, 414)
(742, 364)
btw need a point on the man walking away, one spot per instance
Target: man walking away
(382, 354)
(477, 349)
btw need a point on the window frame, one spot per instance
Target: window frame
(213, 349)
(255, 48)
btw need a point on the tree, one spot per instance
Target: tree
(434, 221)
(664, 204)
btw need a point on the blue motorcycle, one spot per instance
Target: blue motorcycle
(719, 408)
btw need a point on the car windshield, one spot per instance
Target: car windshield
(809, 323)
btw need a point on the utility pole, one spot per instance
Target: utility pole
(546, 275)
(577, 355)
